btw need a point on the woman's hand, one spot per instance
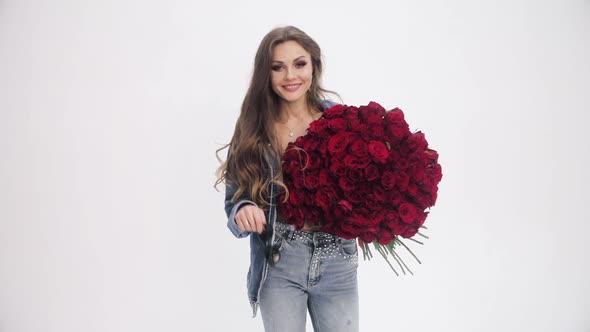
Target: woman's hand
(251, 218)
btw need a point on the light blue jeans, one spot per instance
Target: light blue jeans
(315, 271)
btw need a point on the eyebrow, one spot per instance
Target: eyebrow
(299, 57)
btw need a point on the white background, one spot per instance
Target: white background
(111, 111)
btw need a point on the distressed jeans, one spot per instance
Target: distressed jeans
(315, 271)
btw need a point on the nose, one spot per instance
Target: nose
(290, 73)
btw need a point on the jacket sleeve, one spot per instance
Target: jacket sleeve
(232, 208)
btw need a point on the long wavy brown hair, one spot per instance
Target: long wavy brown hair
(254, 138)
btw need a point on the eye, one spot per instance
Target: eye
(276, 68)
(301, 64)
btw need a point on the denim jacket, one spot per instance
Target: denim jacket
(258, 264)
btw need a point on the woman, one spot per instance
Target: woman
(291, 271)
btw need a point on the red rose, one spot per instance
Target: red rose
(355, 174)
(354, 196)
(323, 147)
(417, 174)
(427, 184)
(395, 116)
(385, 236)
(309, 198)
(338, 142)
(412, 189)
(393, 155)
(371, 114)
(337, 168)
(420, 217)
(372, 203)
(345, 205)
(401, 164)
(397, 132)
(335, 111)
(339, 213)
(367, 236)
(407, 212)
(349, 230)
(290, 167)
(318, 127)
(402, 180)
(361, 219)
(359, 148)
(346, 184)
(406, 230)
(363, 162)
(298, 180)
(397, 227)
(423, 200)
(311, 144)
(432, 155)
(291, 153)
(417, 141)
(395, 197)
(379, 193)
(388, 180)
(314, 161)
(391, 217)
(324, 177)
(342, 210)
(417, 160)
(374, 118)
(350, 161)
(434, 194)
(358, 127)
(337, 124)
(376, 132)
(356, 162)
(286, 209)
(311, 181)
(405, 149)
(313, 215)
(325, 197)
(409, 231)
(378, 215)
(351, 114)
(379, 152)
(377, 106)
(435, 172)
(372, 172)
(365, 188)
(296, 197)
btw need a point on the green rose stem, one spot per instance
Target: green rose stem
(383, 253)
(390, 249)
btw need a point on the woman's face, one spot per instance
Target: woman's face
(291, 71)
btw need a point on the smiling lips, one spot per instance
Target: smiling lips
(292, 87)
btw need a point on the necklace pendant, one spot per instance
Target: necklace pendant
(290, 133)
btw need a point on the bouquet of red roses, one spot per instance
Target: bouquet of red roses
(360, 173)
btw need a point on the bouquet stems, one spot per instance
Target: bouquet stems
(385, 250)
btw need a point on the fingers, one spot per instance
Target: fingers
(251, 218)
(260, 220)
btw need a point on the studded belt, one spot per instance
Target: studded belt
(289, 232)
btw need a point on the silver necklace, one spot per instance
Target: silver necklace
(291, 133)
